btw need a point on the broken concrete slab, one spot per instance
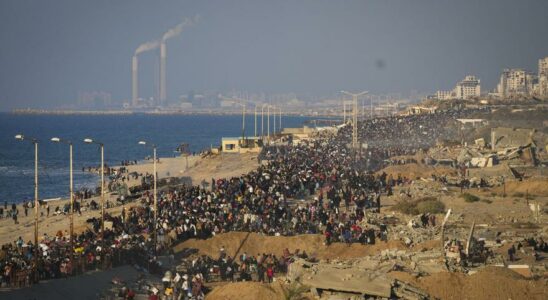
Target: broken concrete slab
(341, 278)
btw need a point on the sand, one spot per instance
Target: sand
(536, 187)
(246, 291)
(217, 166)
(9, 231)
(256, 243)
(487, 283)
(413, 171)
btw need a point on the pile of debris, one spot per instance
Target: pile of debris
(362, 278)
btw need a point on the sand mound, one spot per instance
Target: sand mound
(488, 283)
(256, 243)
(246, 290)
(344, 251)
(533, 187)
(413, 171)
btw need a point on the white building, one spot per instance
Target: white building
(444, 95)
(468, 88)
(542, 89)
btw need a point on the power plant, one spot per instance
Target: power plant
(149, 46)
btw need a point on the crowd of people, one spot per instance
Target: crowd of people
(340, 187)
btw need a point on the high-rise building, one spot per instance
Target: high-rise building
(516, 82)
(468, 88)
(542, 89)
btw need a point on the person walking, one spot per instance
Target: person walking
(270, 273)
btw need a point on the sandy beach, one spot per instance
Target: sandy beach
(197, 169)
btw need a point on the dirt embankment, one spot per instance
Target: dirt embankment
(414, 170)
(488, 283)
(535, 187)
(247, 291)
(313, 244)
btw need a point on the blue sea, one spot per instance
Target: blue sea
(120, 135)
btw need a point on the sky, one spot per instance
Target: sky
(50, 50)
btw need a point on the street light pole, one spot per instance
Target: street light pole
(91, 141)
(268, 123)
(155, 221)
(344, 110)
(280, 123)
(274, 118)
(71, 190)
(371, 106)
(103, 196)
(36, 203)
(262, 120)
(155, 203)
(243, 123)
(235, 100)
(355, 117)
(255, 121)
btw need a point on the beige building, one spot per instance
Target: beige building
(237, 145)
(444, 95)
(542, 89)
(468, 88)
(516, 82)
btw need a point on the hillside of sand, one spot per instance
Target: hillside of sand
(197, 168)
(487, 283)
(237, 243)
(413, 171)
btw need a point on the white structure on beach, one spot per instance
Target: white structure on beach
(467, 88)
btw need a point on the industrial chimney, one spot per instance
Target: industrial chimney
(163, 94)
(172, 32)
(134, 80)
(148, 46)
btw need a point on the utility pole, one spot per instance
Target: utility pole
(71, 189)
(242, 104)
(262, 120)
(280, 123)
(371, 106)
(355, 117)
(344, 110)
(268, 123)
(274, 119)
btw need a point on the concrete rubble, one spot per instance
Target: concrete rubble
(360, 278)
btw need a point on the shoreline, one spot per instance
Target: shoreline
(151, 112)
(198, 170)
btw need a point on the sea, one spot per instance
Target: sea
(120, 135)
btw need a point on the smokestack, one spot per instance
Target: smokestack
(148, 46)
(172, 32)
(163, 94)
(134, 80)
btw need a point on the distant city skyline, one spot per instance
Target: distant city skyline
(59, 52)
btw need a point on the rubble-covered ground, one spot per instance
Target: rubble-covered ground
(473, 262)
(469, 221)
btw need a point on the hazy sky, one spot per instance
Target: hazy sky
(51, 49)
